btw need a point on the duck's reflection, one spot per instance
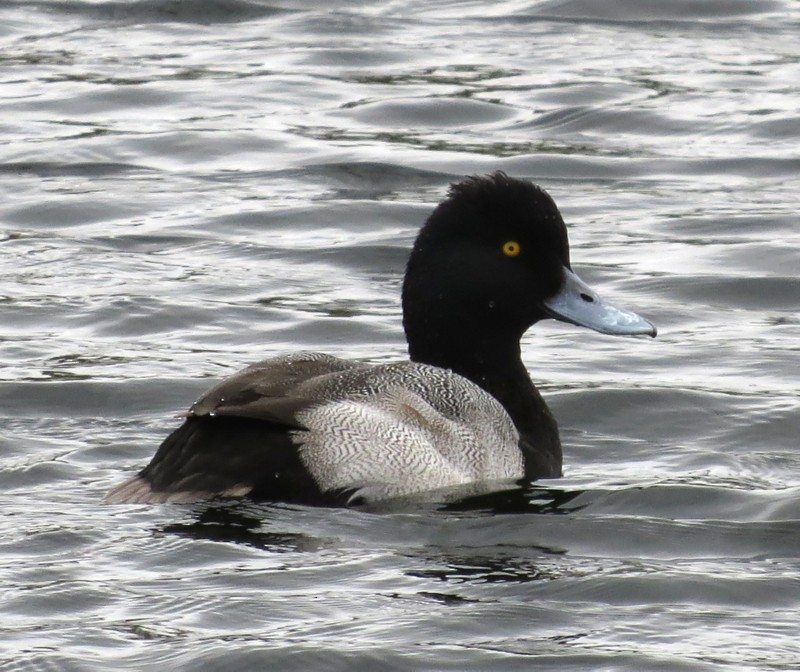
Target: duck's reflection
(530, 498)
(242, 522)
(247, 522)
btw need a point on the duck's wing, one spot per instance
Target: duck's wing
(316, 429)
(237, 439)
(271, 390)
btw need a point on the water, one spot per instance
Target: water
(191, 186)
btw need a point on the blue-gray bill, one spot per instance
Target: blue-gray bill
(580, 304)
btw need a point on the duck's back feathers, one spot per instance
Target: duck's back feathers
(314, 428)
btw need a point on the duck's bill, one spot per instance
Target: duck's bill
(580, 304)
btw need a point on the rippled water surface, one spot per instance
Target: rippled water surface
(191, 186)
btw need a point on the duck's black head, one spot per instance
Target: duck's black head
(491, 261)
(486, 259)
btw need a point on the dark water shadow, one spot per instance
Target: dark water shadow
(477, 562)
(461, 568)
(245, 521)
(528, 499)
(241, 522)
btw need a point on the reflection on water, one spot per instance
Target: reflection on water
(191, 187)
(233, 524)
(452, 568)
(530, 499)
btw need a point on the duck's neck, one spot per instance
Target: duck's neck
(494, 363)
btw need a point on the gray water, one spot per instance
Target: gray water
(188, 187)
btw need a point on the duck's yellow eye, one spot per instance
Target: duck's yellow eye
(511, 248)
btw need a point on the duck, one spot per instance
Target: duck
(491, 261)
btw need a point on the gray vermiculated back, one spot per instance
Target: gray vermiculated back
(392, 429)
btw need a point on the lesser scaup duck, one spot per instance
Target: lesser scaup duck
(492, 260)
